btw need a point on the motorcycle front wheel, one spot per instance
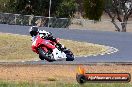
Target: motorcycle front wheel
(69, 55)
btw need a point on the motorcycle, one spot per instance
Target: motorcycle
(41, 47)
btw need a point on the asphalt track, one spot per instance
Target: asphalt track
(121, 41)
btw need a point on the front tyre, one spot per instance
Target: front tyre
(43, 55)
(69, 58)
(69, 55)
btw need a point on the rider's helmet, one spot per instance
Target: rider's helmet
(33, 31)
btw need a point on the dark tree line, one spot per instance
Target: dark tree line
(118, 10)
(59, 8)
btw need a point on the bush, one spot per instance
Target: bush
(93, 9)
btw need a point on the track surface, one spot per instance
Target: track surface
(121, 41)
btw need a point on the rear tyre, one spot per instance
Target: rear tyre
(43, 55)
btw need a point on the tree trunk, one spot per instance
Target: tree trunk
(124, 24)
(113, 20)
(116, 26)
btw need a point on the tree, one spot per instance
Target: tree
(66, 8)
(93, 9)
(59, 8)
(121, 11)
(3, 5)
(18, 6)
(27, 7)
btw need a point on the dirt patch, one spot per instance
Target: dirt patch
(52, 73)
(103, 25)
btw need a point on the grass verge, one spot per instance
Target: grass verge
(58, 84)
(18, 47)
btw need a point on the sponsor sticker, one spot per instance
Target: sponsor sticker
(83, 77)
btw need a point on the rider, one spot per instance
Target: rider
(34, 31)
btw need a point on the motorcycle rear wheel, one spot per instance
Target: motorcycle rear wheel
(43, 55)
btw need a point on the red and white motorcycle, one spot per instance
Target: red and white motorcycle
(51, 51)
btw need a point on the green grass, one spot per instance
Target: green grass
(18, 47)
(60, 84)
